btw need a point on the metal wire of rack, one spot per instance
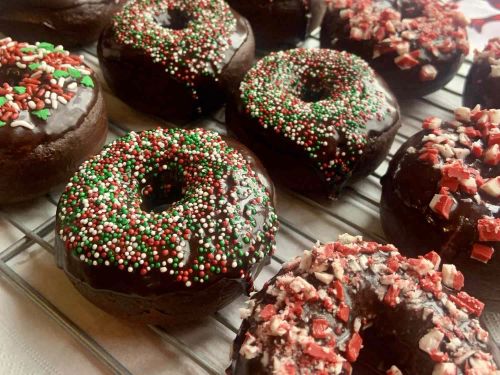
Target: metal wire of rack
(351, 213)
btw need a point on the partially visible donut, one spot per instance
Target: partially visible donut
(318, 119)
(68, 22)
(52, 117)
(483, 81)
(176, 59)
(314, 316)
(166, 226)
(442, 192)
(280, 24)
(416, 45)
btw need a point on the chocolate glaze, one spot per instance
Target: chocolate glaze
(67, 22)
(157, 297)
(145, 85)
(34, 161)
(335, 34)
(408, 222)
(277, 24)
(399, 328)
(480, 87)
(290, 164)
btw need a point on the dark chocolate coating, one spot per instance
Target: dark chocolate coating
(34, 161)
(335, 34)
(480, 88)
(67, 22)
(290, 164)
(277, 24)
(155, 299)
(145, 85)
(408, 222)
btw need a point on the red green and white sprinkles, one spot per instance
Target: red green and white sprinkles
(310, 318)
(490, 54)
(199, 49)
(274, 89)
(435, 30)
(48, 78)
(222, 225)
(467, 152)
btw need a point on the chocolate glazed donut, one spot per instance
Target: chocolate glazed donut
(176, 238)
(176, 80)
(68, 22)
(442, 192)
(292, 111)
(416, 46)
(482, 85)
(52, 117)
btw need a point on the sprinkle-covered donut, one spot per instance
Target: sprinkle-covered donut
(52, 117)
(416, 45)
(323, 114)
(483, 81)
(320, 313)
(280, 24)
(166, 226)
(176, 59)
(68, 22)
(442, 192)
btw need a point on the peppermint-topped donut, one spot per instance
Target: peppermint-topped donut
(344, 299)
(67, 22)
(52, 117)
(280, 24)
(416, 45)
(166, 226)
(483, 81)
(176, 59)
(442, 192)
(316, 118)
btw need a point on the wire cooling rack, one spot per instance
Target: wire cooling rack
(27, 263)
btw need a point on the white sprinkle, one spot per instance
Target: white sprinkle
(22, 123)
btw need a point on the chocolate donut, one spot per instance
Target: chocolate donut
(280, 24)
(68, 22)
(442, 192)
(482, 85)
(52, 117)
(316, 118)
(166, 226)
(416, 45)
(176, 59)
(313, 317)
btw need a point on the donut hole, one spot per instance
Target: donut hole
(174, 19)
(312, 90)
(11, 75)
(410, 8)
(161, 191)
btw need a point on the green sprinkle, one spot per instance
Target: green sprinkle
(28, 49)
(60, 73)
(19, 89)
(2, 123)
(46, 46)
(42, 114)
(75, 73)
(3, 100)
(34, 66)
(87, 81)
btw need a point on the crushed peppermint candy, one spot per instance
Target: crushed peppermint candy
(467, 154)
(490, 55)
(318, 327)
(48, 76)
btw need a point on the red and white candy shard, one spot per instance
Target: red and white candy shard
(307, 319)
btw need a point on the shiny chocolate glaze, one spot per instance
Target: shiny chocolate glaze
(67, 22)
(480, 87)
(335, 34)
(277, 24)
(291, 165)
(157, 297)
(408, 222)
(145, 85)
(34, 161)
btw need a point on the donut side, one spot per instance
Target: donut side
(447, 200)
(68, 22)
